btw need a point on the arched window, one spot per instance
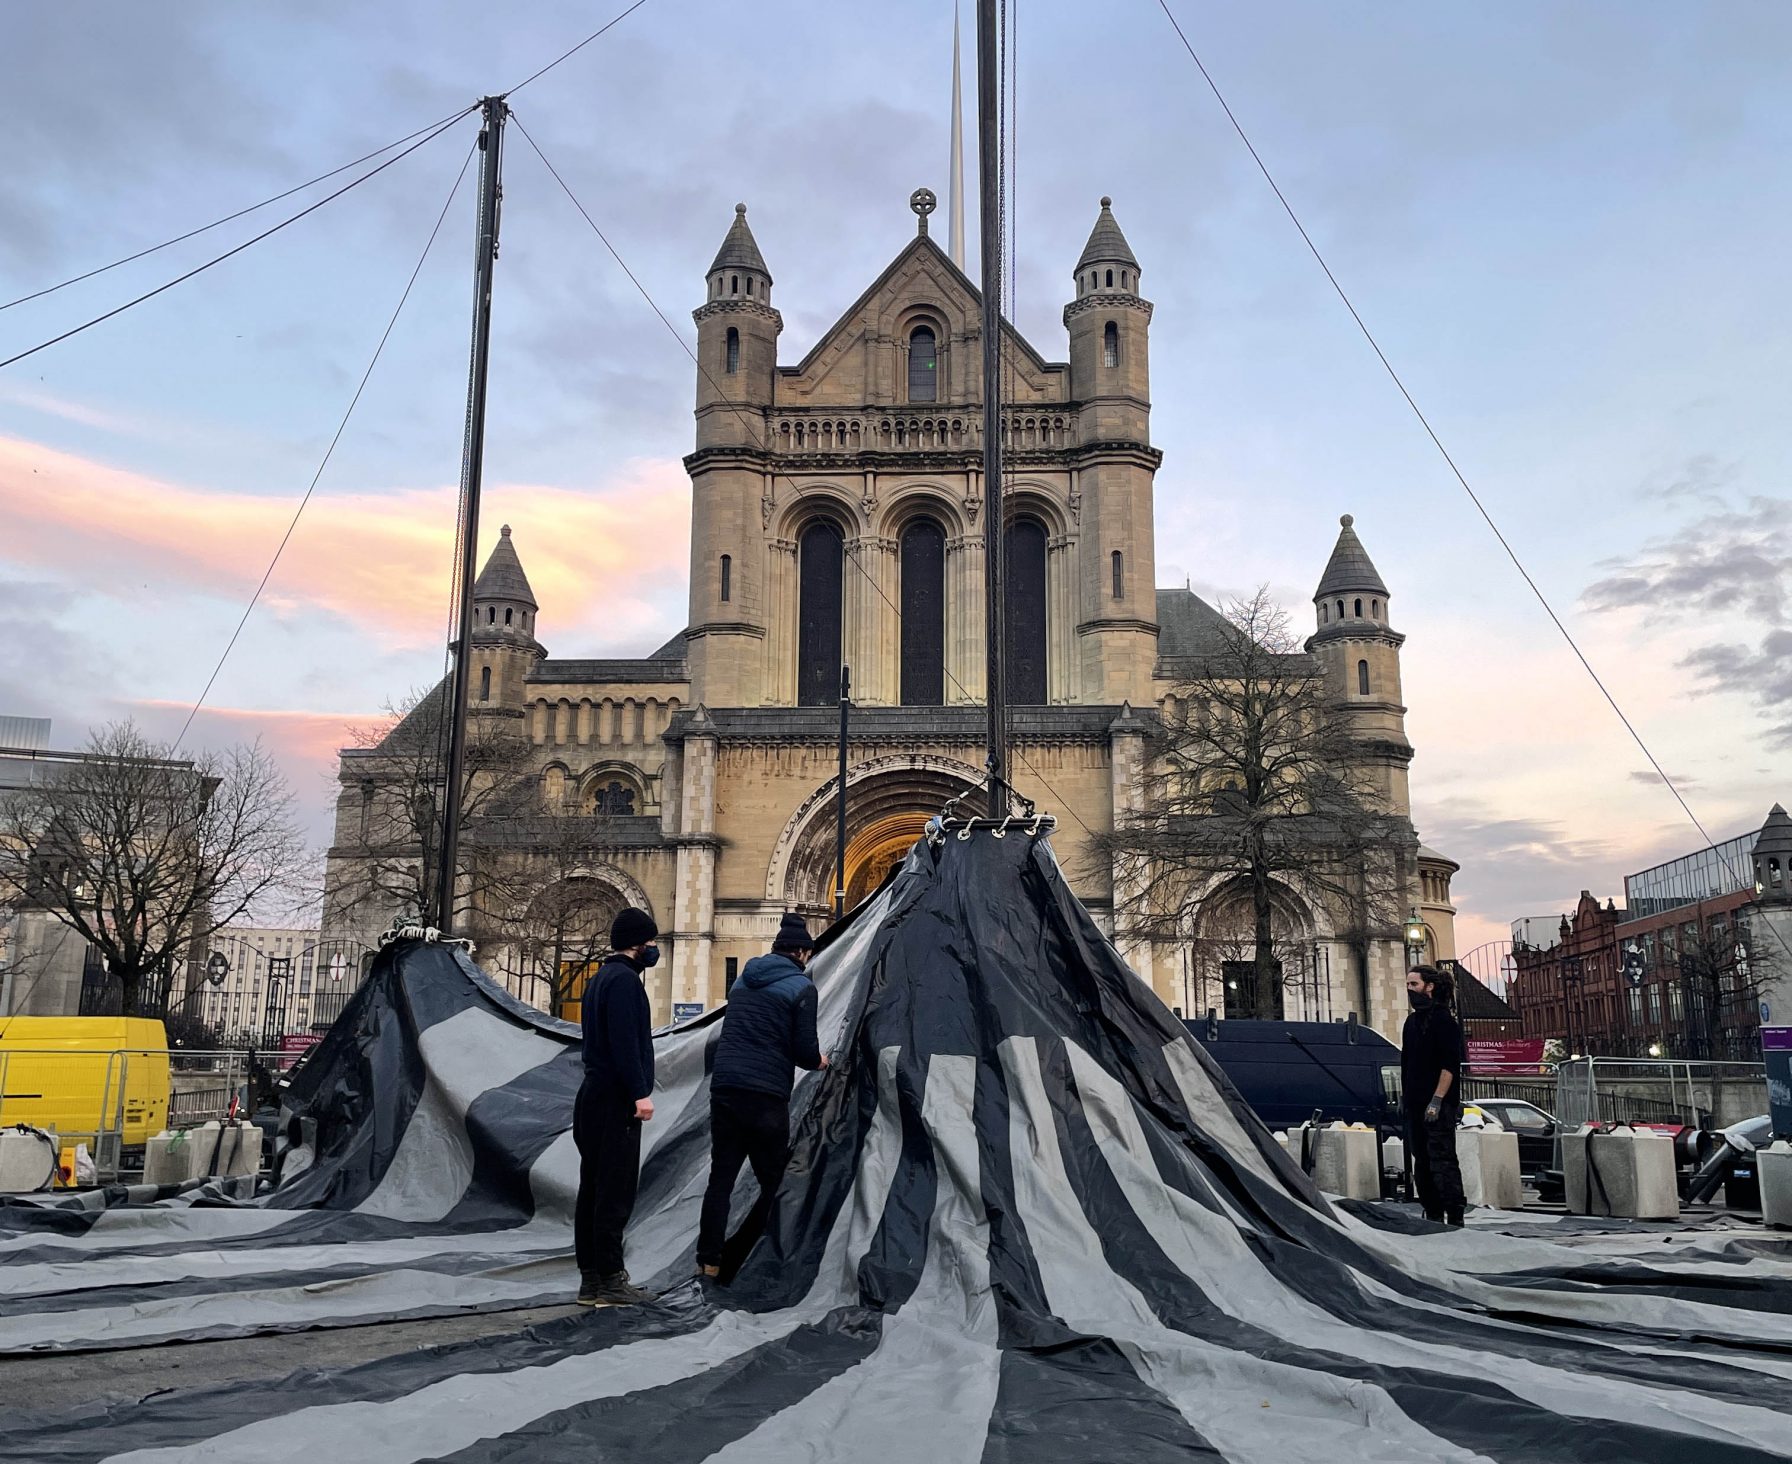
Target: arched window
(749, 285)
(732, 360)
(507, 614)
(1375, 609)
(1024, 591)
(821, 551)
(1119, 575)
(1125, 280)
(1325, 613)
(1773, 873)
(1110, 344)
(491, 614)
(1359, 609)
(1362, 678)
(923, 365)
(614, 798)
(923, 614)
(485, 683)
(1110, 279)
(727, 578)
(733, 284)
(1340, 609)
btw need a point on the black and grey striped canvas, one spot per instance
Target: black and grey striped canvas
(1025, 1220)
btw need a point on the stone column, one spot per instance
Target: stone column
(694, 890)
(1062, 677)
(780, 637)
(1126, 755)
(966, 638)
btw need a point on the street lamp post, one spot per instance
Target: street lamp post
(1416, 935)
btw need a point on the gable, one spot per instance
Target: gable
(860, 360)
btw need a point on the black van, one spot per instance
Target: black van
(1287, 1071)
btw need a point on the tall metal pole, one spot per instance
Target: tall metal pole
(840, 813)
(989, 223)
(485, 258)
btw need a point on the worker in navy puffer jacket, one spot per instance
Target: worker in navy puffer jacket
(768, 1033)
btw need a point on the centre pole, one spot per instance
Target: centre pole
(989, 224)
(485, 259)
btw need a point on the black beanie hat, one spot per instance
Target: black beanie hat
(632, 928)
(793, 935)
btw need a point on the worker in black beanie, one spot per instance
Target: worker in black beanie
(768, 1032)
(614, 1101)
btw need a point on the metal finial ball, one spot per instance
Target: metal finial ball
(923, 202)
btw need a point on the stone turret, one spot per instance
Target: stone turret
(1360, 652)
(1110, 378)
(504, 646)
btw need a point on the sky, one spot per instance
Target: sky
(1565, 225)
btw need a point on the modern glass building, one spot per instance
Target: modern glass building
(1708, 874)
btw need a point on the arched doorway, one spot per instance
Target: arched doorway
(877, 849)
(888, 803)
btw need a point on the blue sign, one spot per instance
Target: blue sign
(683, 1011)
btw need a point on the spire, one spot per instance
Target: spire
(1350, 570)
(1107, 245)
(955, 188)
(739, 250)
(503, 577)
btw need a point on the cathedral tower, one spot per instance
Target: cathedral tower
(737, 354)
(1360, 652)
(1110, 378)
(504, 646)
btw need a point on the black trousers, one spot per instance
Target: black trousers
(744, 1127)
(609, 1138)
(1436, 1174)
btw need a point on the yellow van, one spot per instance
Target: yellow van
(85, 1076)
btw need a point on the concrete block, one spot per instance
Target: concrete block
(1774, 1165)
(181, 1156)
(1627, 1173)
(27, 1160)
(1488, 1158)
(1347, 1162)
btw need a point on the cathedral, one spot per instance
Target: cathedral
(837, 521)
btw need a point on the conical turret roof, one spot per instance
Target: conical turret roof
(503, 577)
(1350, 568)
(1107, 245)
(1776, 833)
(739, 250)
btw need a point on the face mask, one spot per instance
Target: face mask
(650, 957)
(1417, 1000)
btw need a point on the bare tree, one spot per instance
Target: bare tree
(1254, 785)
(388, 850)
(144, 855)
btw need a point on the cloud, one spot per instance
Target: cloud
(1737, 560)
(379, 560)
(1654, 779)
(1764, 675)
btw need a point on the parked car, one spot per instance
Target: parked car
(1535, 1128)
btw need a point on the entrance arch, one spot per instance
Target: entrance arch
(888, 803)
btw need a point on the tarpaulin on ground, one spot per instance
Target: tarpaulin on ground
(1025, 1219)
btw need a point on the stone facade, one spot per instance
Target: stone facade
(838, 518)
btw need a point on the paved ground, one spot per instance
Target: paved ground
(65, 1380)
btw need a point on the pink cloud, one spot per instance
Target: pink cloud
(378, 559)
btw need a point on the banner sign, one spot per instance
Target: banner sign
(1776, 1051)
(1505, 1054)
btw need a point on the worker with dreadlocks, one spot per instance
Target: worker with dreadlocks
(1430, 1078)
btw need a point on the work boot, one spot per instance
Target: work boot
(612, 1290)
(709, 1272)
(1436, 1217)
(1454, 1219)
